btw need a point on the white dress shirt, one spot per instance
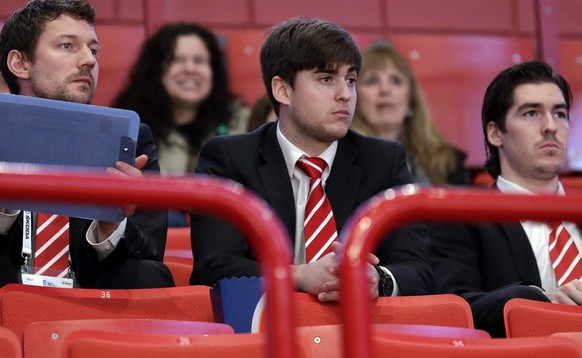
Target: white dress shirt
(538, 235)
(300, 183)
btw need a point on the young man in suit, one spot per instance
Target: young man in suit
(49, 50)
(525, 118)
(310, 68)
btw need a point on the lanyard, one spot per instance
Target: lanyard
(28, 233)
(27, 277)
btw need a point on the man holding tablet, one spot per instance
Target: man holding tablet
(49, 50)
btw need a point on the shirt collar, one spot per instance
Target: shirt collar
(292, 154)
(507, 187)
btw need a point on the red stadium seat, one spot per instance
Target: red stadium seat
(99, 344)
(434, 310)
(483, 179)
(178, 238)
(529, 318)
(10, 346)
(422, 347)
(572, 185)
(23, 304)
(326, 341)
(314, 341)
(178, 255)
(180, 271)
(45, 339)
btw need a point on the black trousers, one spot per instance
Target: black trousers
(488, 308)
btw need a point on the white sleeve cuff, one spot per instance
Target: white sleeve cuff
(7, 219)
(106, 247)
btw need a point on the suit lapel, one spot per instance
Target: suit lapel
(275, 179)
(344, 179)
(522, 253)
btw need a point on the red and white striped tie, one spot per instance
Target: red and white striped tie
(564, 254)
(51, 255)
(319, 226)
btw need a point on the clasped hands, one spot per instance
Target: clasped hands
(320, 278)
(569, 294)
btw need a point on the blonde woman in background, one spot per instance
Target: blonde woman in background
(391, 105)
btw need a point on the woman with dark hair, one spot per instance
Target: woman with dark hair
(179, 87)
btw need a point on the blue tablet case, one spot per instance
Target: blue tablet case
(39, 134)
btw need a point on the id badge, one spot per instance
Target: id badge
(27, 278)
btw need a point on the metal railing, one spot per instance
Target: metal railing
(390, 209)
(225, 199)
(269, 239)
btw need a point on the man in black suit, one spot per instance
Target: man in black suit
(309, 69)
(525, 118)
(49, 50)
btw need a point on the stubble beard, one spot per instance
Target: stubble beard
(320, 133)
(62, 93)
(550, 171)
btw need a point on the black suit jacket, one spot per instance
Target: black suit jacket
(487, 265)
(471, 260)
(363, 166)
(145, 235)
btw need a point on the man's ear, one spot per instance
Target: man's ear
(281, 90)
(494, 134)
(18, 64)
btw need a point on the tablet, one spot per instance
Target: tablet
(38, 134)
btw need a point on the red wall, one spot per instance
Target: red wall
(455, 46)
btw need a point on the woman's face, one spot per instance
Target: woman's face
(383, 97)
(188, 78)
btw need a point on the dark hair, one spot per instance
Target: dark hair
(146, 94)
(23, 28)
(259, 113)
(499, 97)
(305, 44)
